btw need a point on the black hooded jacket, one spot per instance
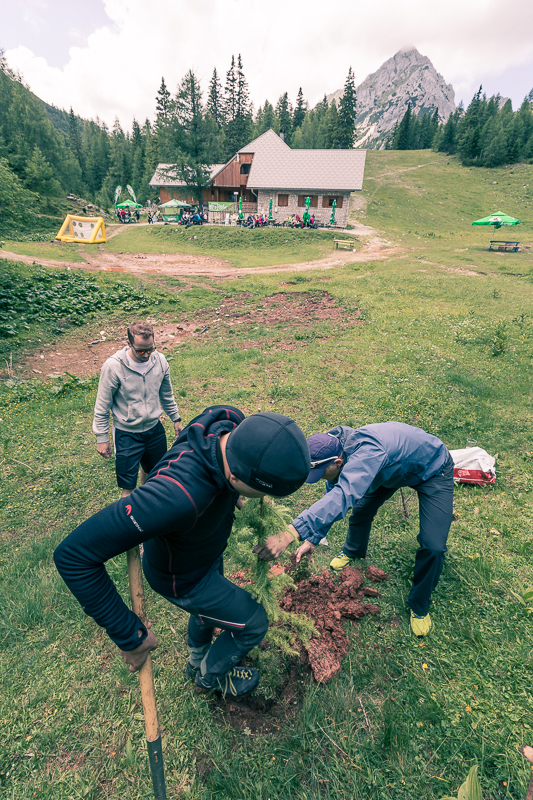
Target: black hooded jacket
(183, 514)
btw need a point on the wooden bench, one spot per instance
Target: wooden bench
(510, 247)
(349, 243)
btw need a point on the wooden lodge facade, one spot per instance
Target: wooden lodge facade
(268, 169)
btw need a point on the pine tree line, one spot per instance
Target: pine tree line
(85, 158)
(487, 134)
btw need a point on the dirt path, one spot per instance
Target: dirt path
(373, 249)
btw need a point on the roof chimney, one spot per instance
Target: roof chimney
(282, 135)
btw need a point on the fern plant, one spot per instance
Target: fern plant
(255, 522)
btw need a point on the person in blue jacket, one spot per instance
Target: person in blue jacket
(363, 468)
(184, 514)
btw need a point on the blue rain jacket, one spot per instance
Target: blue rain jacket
(389, 454)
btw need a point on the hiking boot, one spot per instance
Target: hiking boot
(238, 682)
(340, 561)
(191, 672)
(420, 626)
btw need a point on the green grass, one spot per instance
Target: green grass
(438, 348)
(240, 247)
(58, 251)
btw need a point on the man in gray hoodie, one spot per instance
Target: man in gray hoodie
(134, 386)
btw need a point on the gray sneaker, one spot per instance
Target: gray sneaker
(239, 682)
(191, 672)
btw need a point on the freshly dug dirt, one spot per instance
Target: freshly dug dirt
(329, 604)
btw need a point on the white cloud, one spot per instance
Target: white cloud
(283, 45)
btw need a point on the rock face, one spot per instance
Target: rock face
(383, 96)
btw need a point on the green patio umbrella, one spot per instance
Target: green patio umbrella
(332, 218)
(270, 209)
(240, 208)
(497, 219)
(174, 204)
(129, 204)
(307, 216)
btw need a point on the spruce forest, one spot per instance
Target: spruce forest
(46, 153)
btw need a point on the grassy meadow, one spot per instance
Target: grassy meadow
(440, 336)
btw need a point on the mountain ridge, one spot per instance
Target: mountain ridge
(382, 97)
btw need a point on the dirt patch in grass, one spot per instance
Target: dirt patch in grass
(330, 604)
(299, 310)
(84, 357)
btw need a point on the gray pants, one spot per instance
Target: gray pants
(435, 497)
(215, 602)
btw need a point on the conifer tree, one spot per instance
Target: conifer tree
(230, 93)
(347, 113)
(163, 124)
(162, 102)
(40, 177)
(331, 120)
(300, 110)
(238, 112)
(196, 135)
(215, 102)
(284, 115)
(403, 137)
(266, 118)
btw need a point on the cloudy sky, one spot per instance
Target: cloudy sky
(106, 58)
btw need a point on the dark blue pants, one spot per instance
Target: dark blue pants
(215, 602)
(435, 498)
(132, 449)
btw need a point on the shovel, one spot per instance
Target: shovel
(151, 725)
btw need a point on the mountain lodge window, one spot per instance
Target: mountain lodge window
(314, 200)
(283, 199)
(245, 169)
(327, 201)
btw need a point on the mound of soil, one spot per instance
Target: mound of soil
(329, 604)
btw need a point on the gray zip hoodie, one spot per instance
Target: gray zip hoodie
(134, 399)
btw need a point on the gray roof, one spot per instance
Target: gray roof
(277, 166)
(163, 176)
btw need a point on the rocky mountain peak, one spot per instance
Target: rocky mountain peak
(383, 96)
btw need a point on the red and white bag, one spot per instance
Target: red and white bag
(473, 465)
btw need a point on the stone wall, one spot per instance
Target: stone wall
(322, 215)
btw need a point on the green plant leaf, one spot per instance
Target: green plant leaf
(471, 788)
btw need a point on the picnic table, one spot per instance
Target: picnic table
(499, 244)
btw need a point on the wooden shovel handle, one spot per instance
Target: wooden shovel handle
(145, 673)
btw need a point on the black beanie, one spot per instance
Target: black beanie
(269, 452)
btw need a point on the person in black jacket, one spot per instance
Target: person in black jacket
(183, 514)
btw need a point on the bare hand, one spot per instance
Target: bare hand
(178, 427)
(104, 449)
(136, 658)
(240, 502)
(274, 545)
(304, 548)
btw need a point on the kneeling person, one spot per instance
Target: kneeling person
(183, 514)
(363, 468)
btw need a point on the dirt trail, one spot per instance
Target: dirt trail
(179, 264)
